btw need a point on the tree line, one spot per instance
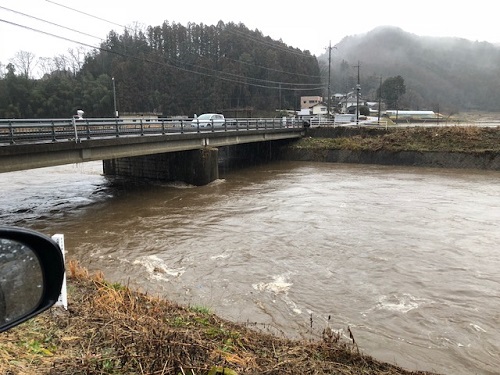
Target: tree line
(170, 69)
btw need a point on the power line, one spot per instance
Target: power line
(244, 80)
(87, 14)
(271, 69)
(252, 78)
(49, 34)
(219, 74)
(50, 23)
(278, 87)
(268, 44)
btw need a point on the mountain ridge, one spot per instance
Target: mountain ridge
(450, 73)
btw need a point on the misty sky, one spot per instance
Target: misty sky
(308, 26)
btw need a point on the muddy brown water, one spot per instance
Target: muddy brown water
(408, 258)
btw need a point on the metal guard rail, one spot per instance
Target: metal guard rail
(14, 131)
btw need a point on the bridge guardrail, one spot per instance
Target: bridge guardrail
(21, 131)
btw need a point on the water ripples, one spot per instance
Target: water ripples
(407, 257)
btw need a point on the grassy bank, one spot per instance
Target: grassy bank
(421, 139)
(110, 329)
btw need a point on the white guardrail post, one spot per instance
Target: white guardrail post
(74, 127)
(63, 297)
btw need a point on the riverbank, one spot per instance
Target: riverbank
(110, 329)
(448, 147)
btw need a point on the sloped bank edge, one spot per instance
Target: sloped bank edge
(436, 159)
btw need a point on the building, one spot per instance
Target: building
(347, 102)
(319, 109)
(309, 101)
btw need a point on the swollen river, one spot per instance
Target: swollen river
(408, 258)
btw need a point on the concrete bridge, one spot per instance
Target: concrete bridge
(156, 149)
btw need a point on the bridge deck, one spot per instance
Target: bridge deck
(26, 144)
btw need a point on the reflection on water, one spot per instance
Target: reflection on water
(407, 257)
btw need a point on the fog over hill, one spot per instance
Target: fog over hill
(452, 74)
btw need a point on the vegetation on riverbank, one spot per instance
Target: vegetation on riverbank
(110, 329)
(422, 139)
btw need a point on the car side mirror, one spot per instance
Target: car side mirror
(31, 275)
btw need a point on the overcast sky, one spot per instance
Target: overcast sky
(301, 24)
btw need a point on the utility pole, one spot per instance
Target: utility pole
(114, 96)
(329, 76)
(358, 89)
(397, 103)
(437, 115)
(280, 97)
(379, 100)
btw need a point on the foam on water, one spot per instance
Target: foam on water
(399, 303)
(407, 255)
(279, 288)
(157, 268)
(279, 285)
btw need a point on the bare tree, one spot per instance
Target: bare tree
(46, 65)
(24, 62)
(60, 63)
(76, 59)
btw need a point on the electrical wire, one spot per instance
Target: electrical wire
(271, 69)
(50, 23)
(278, 87)
(84, 13)
(219, 74)
(47, 33)
(267, 44)
(253, 79)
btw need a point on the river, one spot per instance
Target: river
(408, 258)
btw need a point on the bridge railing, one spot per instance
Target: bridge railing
(29, 131)
(17, 131)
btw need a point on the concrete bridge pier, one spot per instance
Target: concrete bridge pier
(196, 167)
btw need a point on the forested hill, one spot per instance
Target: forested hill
(450, 73)
(174, 70)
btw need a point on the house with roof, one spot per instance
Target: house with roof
(309, 101)
(319, 109)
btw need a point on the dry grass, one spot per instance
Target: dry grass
(110, 329)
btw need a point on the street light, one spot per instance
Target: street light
(114, 96)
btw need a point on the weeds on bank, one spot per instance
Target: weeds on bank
(110, 329)
(421, 139)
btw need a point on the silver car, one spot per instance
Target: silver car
(207, 120)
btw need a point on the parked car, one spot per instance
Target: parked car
(31, 275)
(208, 120)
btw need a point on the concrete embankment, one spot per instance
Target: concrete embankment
(469, 148)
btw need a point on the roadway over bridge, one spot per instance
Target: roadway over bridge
(134, 147)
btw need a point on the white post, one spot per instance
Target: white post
(114, 96)
(74, 127)
(63, 297)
